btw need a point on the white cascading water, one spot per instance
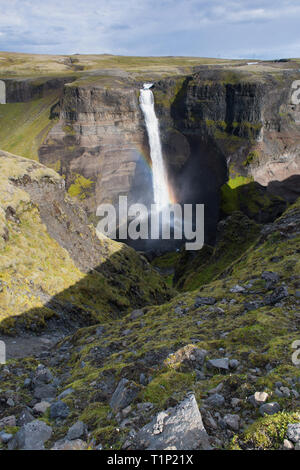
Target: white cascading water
(159, 177)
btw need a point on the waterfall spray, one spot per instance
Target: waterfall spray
(159, 177)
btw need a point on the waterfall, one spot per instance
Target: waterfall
(159, 177)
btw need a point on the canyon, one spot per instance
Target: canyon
(107, 345)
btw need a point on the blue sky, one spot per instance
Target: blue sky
(211, 28)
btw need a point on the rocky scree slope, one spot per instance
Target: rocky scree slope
(53, 265)
(227, 380)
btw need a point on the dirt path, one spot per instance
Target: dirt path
(29, 345)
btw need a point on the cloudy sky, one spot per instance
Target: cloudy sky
(211, 28)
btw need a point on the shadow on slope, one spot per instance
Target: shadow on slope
(106, 292)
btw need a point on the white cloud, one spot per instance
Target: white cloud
(138, 26)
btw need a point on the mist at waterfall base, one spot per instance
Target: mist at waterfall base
(152, 191)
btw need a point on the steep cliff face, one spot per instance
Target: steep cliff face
(99, 144)
(29, 110)
(216, 124)
(247, 118)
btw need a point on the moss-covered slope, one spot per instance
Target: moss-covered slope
(248, 318)
(52, 263)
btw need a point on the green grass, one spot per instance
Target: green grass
(24, 126)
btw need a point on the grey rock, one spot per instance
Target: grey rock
(269, 408)
(25, 417)
(5, 437)
(126, 332)
(178, 428)
(143, 379)
(270, 278)
(27, 382)
(216, 389)
(237, 289)
(41, 407)
(31, 436)
(288, 445)
(293, 432)
(215, 400)
(124, 395)
(144, 407)
(222, 363)
(209, 421)
(42, 375)
(136, 314)
(76, 431)
(235, 402)
(232, 422)
(278, 294)
(234, 363)
(204, 301)
(260, 398)
(59, 409)
(285, 392)
(8, 421)
(44, 391)
(255, 304)
(99, 331)
(65, 444)
(65, 393)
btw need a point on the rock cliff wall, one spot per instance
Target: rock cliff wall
(216, 124)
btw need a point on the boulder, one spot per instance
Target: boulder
(76, 431)
(25, 417)
(269, 408)
(189, 357)
(232, 422)
(59, 409)
(44, 391)
(179, 428)
(31, 436)
(8, 421)
(222, 363)
(124, 395)
(278, 294)
(41, 407)
(293, 432)
(77, 444)
(204, 301)
(215, 400)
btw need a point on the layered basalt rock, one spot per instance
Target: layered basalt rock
(100, 136)
(20, 90)
(216, 124)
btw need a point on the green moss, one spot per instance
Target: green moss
(252, 157)
(242, 194)
(81, 188)
(269, 432)
(95, 414)
(239, 181)
(24, 126)
(167, 384)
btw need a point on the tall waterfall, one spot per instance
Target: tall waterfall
(159, 177)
